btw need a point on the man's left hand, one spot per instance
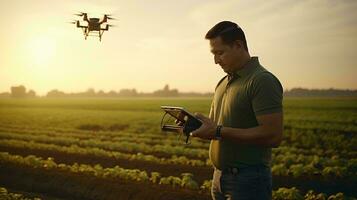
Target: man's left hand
(207, 130)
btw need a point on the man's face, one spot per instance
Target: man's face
(227, 56)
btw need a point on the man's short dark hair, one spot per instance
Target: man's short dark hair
(229, 32)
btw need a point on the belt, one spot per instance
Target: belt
(236, 170)
(231, 170)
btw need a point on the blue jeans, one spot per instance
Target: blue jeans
(251, 182)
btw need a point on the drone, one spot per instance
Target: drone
(94, 25)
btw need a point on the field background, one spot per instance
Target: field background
(112, 148)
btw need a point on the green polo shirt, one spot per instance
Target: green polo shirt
(238, 99)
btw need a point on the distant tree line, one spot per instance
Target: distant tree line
(301, 92)
(165, 92)
(18, 92)
(21, 92)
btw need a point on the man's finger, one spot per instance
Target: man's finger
(179, 122)
(193, 134)
(196, 132)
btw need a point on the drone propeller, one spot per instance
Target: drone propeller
(72, 22)
(80, 14)
(109, 16)
(110, 25)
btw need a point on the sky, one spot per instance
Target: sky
(306, 43)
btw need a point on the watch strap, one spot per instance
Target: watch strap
(218, 134)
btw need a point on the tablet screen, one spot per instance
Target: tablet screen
(177, 112)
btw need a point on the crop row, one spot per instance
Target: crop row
(331, 143)
(321, 144)
(289, 154)
(322, 126)
(299, 135)
(97, 152)
(186, 181)
(122, 146)
(148, 138)
(293, 193)
(168, 150)
(286, 164)
(282, 154)
(5, 195)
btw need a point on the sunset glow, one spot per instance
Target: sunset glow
(153, 44)
(42, 51)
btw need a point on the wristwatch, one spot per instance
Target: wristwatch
(218, 135)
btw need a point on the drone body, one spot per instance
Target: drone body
(94, 25)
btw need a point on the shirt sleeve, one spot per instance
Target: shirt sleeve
(267, 94)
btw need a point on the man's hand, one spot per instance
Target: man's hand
(207, 130)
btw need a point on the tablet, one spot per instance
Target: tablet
(178, 113)
(189, 121)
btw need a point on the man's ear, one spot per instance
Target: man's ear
(238, 44)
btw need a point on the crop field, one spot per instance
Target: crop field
(113, 148)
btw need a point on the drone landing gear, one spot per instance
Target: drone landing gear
(100, 35)
(85, 33)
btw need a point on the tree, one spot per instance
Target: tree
(166, 92)
(31, 93)
(90, 92)
(5, 94)
(112, 93)
(19, 91)
(166, 88)
(55, 93)
(128, 92)
(101, 93)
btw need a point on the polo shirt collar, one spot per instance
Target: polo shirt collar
(248, 67)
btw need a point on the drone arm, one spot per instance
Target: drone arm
(106, 27)
(104, 20)
(85, 17)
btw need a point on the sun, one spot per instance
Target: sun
(42, 51)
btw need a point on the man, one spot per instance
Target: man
(245, 119)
